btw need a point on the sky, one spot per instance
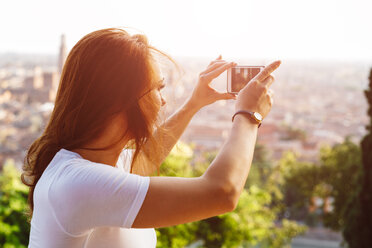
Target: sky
(284, 29)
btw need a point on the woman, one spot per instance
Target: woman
(87, 189)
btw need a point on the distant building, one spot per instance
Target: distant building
(35, 81)
(51, 81)
(38, 79)
(41, 86)
(53, 78)
(62, 54)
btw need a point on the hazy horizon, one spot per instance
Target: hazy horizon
(270, 29)
(364, 61)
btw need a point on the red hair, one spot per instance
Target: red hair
(104, 75)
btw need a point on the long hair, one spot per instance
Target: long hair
(104, 75)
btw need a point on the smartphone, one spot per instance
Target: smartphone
(239, 76)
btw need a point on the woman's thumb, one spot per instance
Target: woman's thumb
(227, 96)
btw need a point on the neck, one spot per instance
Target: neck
(115, 128)
(108, 157)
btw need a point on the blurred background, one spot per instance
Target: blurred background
(307, 172)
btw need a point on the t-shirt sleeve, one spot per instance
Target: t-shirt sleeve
(86, 195)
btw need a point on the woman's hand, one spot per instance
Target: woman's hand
(204, 94)
(256, 95)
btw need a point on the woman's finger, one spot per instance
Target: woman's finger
(270, 92)
(270, 96)
(217, 71)
(215, 61)
(214, 66)
(224, 95)
(268, 81)
(267, 71)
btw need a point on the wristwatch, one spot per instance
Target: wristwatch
(255, 116)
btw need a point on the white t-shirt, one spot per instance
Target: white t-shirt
(79, 203)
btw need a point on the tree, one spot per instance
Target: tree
(262, 167)
(252, 223)
(297, 181)
(14, 228)
(332, 179)
(290, 133)
(358, 217)
(339, 173)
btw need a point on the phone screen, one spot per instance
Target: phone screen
(240, 76)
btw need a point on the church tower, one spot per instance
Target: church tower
(62, 54)
(54, 78)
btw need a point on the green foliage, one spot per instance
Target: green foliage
(296, 181)
(178, 163)
(261, 168)
(288, 132)
(358, 216)
(176, 236)
(341, 166)
(14, 228)
(334, 178)
(252, 223)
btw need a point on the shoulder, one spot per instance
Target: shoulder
(83, 178)
(79, 173)
(87, 194)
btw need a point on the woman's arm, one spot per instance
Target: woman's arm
(176, 124)
(173, 200)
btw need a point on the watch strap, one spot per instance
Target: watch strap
(246, 113)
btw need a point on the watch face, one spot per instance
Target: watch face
(257, 116)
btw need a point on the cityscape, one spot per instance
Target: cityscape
(316, 103)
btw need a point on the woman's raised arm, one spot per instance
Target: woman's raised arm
(174, 200)
(202, 95)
